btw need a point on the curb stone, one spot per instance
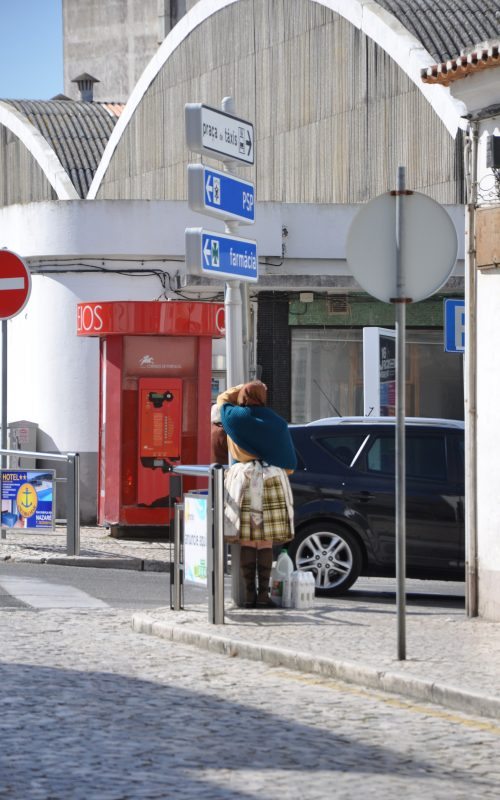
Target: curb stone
(102, 562)
(391, 682)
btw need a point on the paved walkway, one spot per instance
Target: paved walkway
(451, 660)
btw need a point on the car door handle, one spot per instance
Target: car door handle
(364, 497)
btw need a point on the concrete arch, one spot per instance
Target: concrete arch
(41, 151)
(366, 15)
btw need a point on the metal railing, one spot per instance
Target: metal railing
(73, 497)
(215, 539)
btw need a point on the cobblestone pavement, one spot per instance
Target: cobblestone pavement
(95, 543)
(91, 710)
(450, 658)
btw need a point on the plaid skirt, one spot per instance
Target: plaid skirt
(276, 522)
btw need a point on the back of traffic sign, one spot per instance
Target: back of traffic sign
(15, 284)
(428, 246)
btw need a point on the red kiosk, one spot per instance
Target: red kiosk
(154, 404)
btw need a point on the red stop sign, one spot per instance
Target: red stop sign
(15, 284)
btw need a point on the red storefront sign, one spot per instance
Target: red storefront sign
(170, 318)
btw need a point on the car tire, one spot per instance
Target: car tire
(331, 553)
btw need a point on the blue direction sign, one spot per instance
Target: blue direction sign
(219, 254)
(220, 195)
(454, 326)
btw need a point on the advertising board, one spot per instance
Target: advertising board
(28, 499)
(195, 538)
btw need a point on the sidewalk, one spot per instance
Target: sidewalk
(97, 549)
(451, 660)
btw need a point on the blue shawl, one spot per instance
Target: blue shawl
(260, 431)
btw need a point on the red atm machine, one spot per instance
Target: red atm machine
(154, 405)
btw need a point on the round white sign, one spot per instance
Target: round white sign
(428, 246)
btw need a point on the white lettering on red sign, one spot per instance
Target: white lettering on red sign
(89, 318)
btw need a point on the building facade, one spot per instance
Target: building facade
(336, 98)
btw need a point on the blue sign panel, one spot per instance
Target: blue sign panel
(28, 498)
(454, 326)
(220, 195)
(218, 254)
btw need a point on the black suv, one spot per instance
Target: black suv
(344, 493)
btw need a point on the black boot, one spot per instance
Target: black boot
(247, 569)
(264, 567)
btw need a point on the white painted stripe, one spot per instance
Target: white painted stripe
(11, 283)
(42, 594)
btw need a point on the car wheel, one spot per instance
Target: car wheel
(331, 553)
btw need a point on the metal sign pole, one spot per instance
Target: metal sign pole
(4, 403)
(235, 362)
(401, 275)
(400, 302)
(4, 390)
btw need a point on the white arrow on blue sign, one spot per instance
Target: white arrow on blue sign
(219, 254)
(454, 326)
(220, 195)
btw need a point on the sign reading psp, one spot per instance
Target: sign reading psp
(454, 326)
(220, 194)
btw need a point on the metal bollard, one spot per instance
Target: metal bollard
(73, 513)
(178, 509)
(218, 542)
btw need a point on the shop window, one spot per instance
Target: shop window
(327, 374)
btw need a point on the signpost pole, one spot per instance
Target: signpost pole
(4, 403)
(400, 301)
(235, 361)
(401, 248)
(4, 390)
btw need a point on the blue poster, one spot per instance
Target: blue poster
(28, 499)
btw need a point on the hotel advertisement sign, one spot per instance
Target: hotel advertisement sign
(28, 499)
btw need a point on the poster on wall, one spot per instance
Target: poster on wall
(379, 372)
(195, 538)
(28, 499)
(387, 375)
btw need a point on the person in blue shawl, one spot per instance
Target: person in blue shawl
(259, 503)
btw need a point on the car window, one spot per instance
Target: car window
(343, 447)
(381, 453)
(425, 456)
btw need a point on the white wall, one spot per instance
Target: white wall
(488, 396)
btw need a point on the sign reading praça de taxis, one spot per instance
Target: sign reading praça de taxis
(28, 499)
(218, 134)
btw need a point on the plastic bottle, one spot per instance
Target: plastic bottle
(281, 580)
(303, 588)
(309, 588)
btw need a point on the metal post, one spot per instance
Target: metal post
(73, 513)
(234, 349)
(178, 509)
(215, 545)
(210, 547)
(218, 542)
(400, 422)
(236, 357)
(4, 403)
